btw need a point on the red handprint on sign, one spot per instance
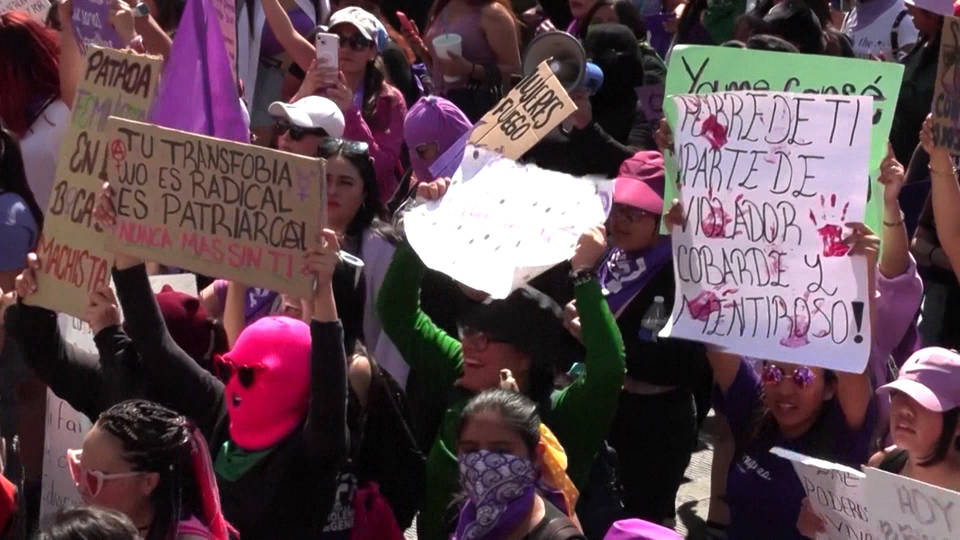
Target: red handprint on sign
(831, 229)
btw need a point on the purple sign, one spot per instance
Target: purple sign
(650, 101)
(91, 24)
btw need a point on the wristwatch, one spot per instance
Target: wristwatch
(141, 9)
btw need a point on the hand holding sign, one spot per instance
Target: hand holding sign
(939, 157)
(102, 311)
(105, 214)
(26, 282)
(590, 249)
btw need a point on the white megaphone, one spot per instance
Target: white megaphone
(566, 58)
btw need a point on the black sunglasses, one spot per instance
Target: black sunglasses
(356, 42)
(224, 370)
(297, 132)
(333, 145)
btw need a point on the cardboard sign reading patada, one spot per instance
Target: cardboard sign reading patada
(946, 90)
(72, 257)
(525, 115)
(220, 208)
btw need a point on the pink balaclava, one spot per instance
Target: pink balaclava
(269, 391)
(432, 119)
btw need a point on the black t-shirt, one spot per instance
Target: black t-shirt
(563, 529)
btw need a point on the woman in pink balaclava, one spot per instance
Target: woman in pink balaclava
(276, 416)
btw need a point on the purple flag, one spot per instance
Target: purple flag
(197, 92)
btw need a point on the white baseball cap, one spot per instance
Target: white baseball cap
(311, 112)
(939, 7)
(364, 21)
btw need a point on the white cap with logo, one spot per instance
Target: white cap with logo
(311, 112)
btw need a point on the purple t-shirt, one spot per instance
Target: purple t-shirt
(763, 491)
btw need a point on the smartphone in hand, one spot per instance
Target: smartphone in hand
(328, 50)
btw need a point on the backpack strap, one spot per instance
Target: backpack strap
(560, 528)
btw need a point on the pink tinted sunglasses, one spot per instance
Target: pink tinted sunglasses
(801, 376)
(91, 481)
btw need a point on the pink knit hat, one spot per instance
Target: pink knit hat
(637, 529)
(268, 388)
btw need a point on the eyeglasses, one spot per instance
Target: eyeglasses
(356, 42)
(630, 213)
(224, 369)
(802, 376)
(478, 339)
(297, 132)
(330, 146)
(90, 481)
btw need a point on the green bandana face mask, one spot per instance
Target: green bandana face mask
(233, 462)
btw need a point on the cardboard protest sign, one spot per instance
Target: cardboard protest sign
(946, 90)
(904, 508)
(227, 17)
(91, 24)
(215, 207)
(73, 259)
(767, 182)
(701, 70)
(37, 9)
(500, 223)
(65, 427)
(836, 492)
(525, 115)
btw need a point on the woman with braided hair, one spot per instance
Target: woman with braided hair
(152, 464)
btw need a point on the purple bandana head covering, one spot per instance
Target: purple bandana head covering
(432, 119)
(500, 489)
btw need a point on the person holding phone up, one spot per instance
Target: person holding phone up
(372, 108)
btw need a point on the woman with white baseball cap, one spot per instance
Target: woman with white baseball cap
(302, 124)
(372, 108)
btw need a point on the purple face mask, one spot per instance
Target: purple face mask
(500, 489)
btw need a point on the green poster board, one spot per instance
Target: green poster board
(703, 70)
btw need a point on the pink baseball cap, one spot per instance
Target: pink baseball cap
(939, 7)
(931, 376)
(637, 529)
(639, 182)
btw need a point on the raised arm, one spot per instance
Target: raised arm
(71, 59)
(302, 51)
(435, 356)
(582, 412)
(945, 193)
(173, 377)
(895, 258)
(233, 318)
(326, 430)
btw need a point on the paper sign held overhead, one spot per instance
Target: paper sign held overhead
(37, 9)
(703, 70)
(768, 182)
(525, 115)
(501, 224)
(905, 508)
(215, 207)
(837, 494)
(72, 257)
(946, 89)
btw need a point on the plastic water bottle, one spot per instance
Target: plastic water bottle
(653, 320)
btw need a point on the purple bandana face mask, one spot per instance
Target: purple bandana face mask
(500, 489)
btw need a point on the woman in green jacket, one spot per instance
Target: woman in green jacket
(522, 333)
